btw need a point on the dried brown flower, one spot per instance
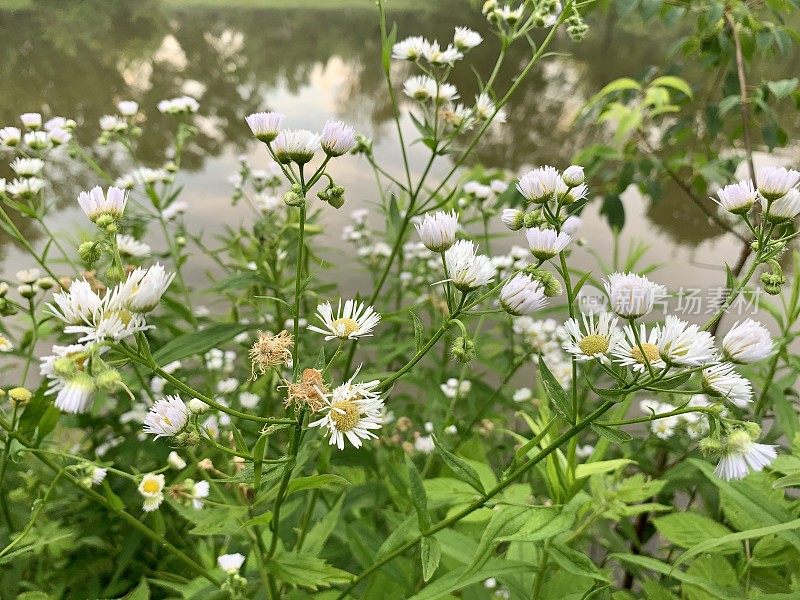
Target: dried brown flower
(308, 391)
(271, 351)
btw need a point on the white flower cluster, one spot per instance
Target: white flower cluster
(300, 145)
(777, 192)
(358, 233)
(540, 337)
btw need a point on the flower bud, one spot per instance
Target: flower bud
(752, 429)
(115, 273)
(573, 176)
(89, 252)
(3, 289)
(26, 290)
(45, 283)
(198, 407)
(20, 395)
(513, 218)
(292, 198)
(108, 380)
(463, 349)
(552, 286)
(710, 445)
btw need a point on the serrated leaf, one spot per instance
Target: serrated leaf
(558, 397)
(575, 562)
(303, 570)
(463, 470)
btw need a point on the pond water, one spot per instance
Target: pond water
(79, 58)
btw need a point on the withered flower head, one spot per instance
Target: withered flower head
(271, 351)
(308, 391)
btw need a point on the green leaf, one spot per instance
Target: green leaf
(459, 578)
(461, 468)
(575, 562)
(33, 596)
(689, 528)
(504, 521)
(114, 501)
(735, 537)
(713, 589)
(325, 480)
(753, 501)
(613, 435)
(676, 83)
(418, 498)
(261, 520)
(618, 85)
(306, 571)
(141, 592)
(784, 87)
(417, 331)
(199, 342)
(430, 555)
(322, 529)
(555, 392)
(258, 460)
(604, 466)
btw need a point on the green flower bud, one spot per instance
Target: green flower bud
(45, 283)
(552, 286)
(89, 252)
(104, 221)
(753, 430)
(108, 380)
(65, 367)
(292, 198)
(115, 273)
(463, 349)
(710, 445)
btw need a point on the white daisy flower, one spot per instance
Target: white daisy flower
(632, 295)
(775, 182)
(352, 411)
(127, 108)
(167, 417)
(25, 188)
(28, 276)
(151, 487)
(97, 475)
(64, 370)
(5, 344)
(31, 120)
(680, 343)
(522, 295)
(95, 203)
(37, 140)
(113, 123)
(737, 198)
(411, 48)
(249, 400)
(785, 208)
(742, 455)
(546, 243)
(337, 138)
(10, 136)
(27, 167)
(723, 381)
(179, 106)
(747, 342)
(142, 290)
(200, 491)
(59, 136)
(542, 184)
(176, 208)
(230, 563)
(175, 461)
(597, 339)
(354, 321)
(485, 109)
(438, 230)
(467, 269)
(420, 88)
(466, 39)
(572, 225)
(298, 145)
(265, 125)
(130, 246)
(436, 56)
(78, 305)
(638, 355)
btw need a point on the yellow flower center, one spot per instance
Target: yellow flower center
(650, 353)
(594, 344)
(151, 486)
(344, 327)
(344, 414)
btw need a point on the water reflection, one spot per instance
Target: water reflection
(80, 58)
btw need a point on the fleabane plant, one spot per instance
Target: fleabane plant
(473, 422)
